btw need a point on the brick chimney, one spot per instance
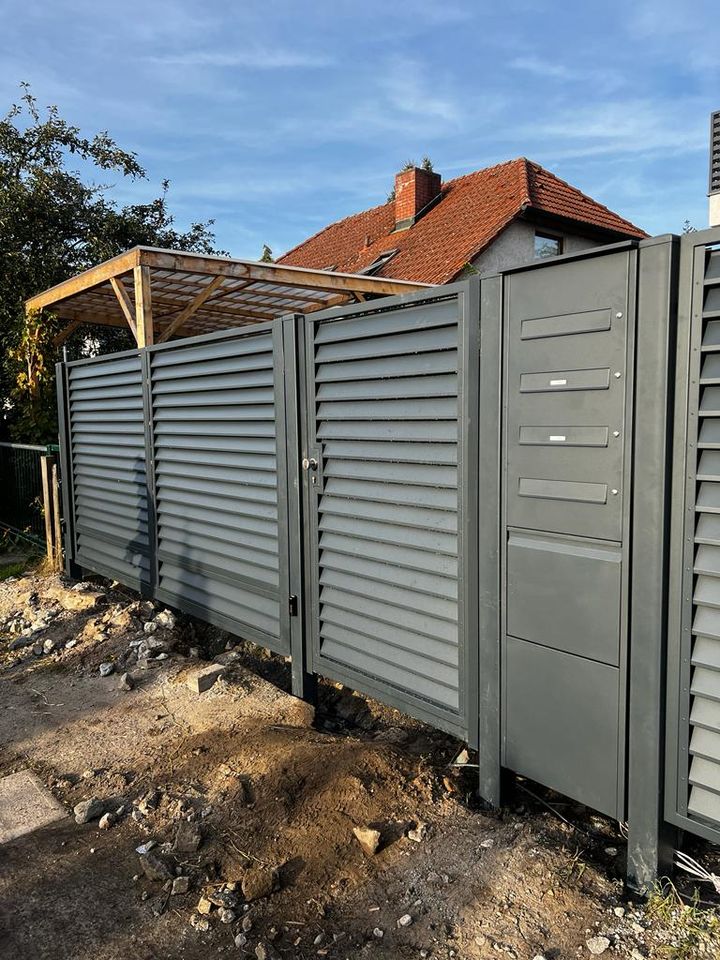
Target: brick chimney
(415, 189)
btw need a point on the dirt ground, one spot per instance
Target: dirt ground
(272, 793)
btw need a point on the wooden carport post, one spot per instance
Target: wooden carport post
(52, 510)
(143, 307)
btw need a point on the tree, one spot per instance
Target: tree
(53, 224)
(267, 255)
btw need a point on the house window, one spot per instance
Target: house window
(546, 245)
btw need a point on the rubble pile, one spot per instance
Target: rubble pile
(131, 634)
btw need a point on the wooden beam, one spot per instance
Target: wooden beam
(143, 307)
(88, 278)
(275, 273)
(66, 331)
(125, 304)
(190, 309)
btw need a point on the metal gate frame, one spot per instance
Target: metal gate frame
(465, 723)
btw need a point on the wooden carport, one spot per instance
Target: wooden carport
(161, 294)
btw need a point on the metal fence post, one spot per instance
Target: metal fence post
(649, 838)
(304, 681)
(489, 409)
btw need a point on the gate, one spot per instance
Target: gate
(391, 487)
(693, 734)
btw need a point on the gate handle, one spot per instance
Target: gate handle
(309, 463)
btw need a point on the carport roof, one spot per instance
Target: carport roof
(165, 293)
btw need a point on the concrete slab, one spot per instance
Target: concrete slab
(26, 805)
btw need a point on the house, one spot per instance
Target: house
(490, 220)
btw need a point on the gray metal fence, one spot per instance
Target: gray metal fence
(21, 504)
(480, 535)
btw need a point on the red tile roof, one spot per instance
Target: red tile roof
(472, 212)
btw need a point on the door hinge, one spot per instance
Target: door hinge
(292, 605)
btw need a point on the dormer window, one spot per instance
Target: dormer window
(379, 262)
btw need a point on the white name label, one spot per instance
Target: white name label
(558, 439)
(558, 383)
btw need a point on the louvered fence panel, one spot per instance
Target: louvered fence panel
(217, 405)
(108, 468)
(694, 664)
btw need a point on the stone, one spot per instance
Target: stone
(75, 600)
(258, 882)
(619, 911)
(462, 758)
(87, 810)
(487, 844)
(49, 645)
(201, 680)
(180, 885)
(156, 867)
(165, 619)
(126, 682)
(226, 915)
(20, 642)
(264, 951)
(418, 832)
(150, 626)
(204, 906)
(187, 838)
(368, 839)
(106, 669)
(405, 920)
(240, 940)
(202, 924)
(378, 933)
(597, 945)
(247, 924)
(106, 821)
(227, 899)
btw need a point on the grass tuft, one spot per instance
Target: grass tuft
(11, 570)
(689, 930)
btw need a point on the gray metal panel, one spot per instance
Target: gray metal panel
(561, 722)
(386, 424)
(693, 762)
(220, 480)
(566, 377)
(107, 450)
(564, 592)
(569, 335)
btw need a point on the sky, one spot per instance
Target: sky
(275, 118)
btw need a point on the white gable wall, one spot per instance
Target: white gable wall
(516, 246)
